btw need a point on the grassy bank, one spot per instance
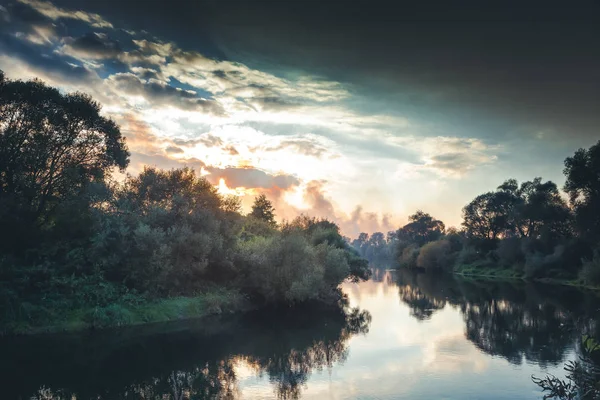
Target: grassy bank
(504, 273)
(38, 319)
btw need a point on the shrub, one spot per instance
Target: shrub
(509, 252)
(590, 271)
(435, 255)
(536, 263)
(408, 258)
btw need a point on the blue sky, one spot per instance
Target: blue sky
(363, 115)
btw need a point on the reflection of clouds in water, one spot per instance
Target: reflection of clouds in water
(401, 356)
(471, 347)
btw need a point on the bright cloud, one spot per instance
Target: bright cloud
(301, 139)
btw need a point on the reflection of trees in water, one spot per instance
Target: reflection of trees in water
(188, 364)
(539, 323)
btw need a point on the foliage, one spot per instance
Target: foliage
(435, 255)
(377, 248)
(263, 210)
(582, 380)
(53, 146)
(99, 251)
(583, 187)
(409, 256)
(525, 230)
(421, 229)
(590, 271)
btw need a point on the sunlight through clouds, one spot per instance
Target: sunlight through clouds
(180, 107)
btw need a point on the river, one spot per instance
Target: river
(410, 336)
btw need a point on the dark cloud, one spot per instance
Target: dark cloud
(174, 150)
(231, 150)
(93, 45)
(485, 67)
(251, 178)
(206, 139)
(146, 73)
(47, 63)
(158, 92)
(301, 146)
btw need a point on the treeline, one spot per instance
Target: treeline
(528, 230)
(72, 237)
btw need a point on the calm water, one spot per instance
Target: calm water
(415, 337)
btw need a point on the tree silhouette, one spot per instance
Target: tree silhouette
(583, 187)
(52, 147)
(263, 210)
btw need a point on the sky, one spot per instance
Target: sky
(362, 112)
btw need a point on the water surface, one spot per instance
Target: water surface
(410, 336)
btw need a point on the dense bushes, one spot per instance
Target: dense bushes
(287, 268)
(75, 239)
(435, 255)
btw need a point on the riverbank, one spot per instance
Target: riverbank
(501, 273)
(118, 314)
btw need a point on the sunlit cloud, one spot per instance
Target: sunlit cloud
(299, 138)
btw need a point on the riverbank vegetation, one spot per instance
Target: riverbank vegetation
(79, 248)
(530, 230)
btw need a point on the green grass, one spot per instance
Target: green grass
(489, 271)
(41, 319)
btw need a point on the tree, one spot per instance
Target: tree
(541, 210)
(531, 210)
(488, 215)
(263, 210)
(535, 208)
(52, 147)
(583, 187)
(421, 229)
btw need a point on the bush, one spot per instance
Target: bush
(435, 255)
(590, 271)
(509, 252)
(538, 264)
(408, 258)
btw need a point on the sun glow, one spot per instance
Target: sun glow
(225, 190)
(295, 197)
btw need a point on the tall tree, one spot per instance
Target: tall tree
(583, 186)
(421, 229)
(52, 146)
(540, 210)
(488, 215)
(533, 209)
(263, 210)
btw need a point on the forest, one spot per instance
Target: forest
(527, 230)
(80, 248)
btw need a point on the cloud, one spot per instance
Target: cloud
(46, 63)
(160, 93)
(449, 157)
(251, 178)
(206, 139)
(93, 45)
(56, 13)
(174, 150)
(308, 146)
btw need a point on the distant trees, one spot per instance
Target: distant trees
(377, 248)
(527, 229)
